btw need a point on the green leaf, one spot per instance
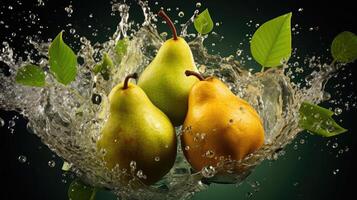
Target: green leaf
(103, 67)
(344, 47)
(318, 120)
(271, 43)
(79, 191)
(121, 48)
(203, 22)
(30, 75)
(63, 61)
(66, 166)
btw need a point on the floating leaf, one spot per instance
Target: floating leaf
(79, 191)
(271, 43)
(63, 61)
(318, 120)
(344, 47)
(203, 22)
(104, 67)
(30, 75)
(121, 48)
(66, 166)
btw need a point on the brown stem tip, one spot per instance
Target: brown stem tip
(192, 73)
(169, 22)
(127, 78)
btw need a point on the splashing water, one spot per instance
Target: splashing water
(69, 121)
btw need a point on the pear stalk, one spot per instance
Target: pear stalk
(169, 22)
(192, 73)
(126, 81)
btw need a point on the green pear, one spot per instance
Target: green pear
(137, 135)
(164, 80)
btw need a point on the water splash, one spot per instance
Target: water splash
(68, 119)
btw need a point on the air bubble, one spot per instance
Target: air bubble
(198, 5)
(157, 158)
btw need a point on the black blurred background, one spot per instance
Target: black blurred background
(316, 169)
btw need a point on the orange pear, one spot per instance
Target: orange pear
(219, 125)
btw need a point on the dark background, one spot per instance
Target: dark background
(313, 169)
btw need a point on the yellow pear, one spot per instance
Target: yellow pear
(219, 125)
(137, 135)
(164, 80)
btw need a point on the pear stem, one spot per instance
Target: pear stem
(127, 78)
(169, 22)
(192, 73)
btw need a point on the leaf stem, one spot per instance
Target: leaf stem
(198, 75)
(127, 78)
(169, 22)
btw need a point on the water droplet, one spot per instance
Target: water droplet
(249, 194)
(181, 14)
(213, 44)
(168, 9)
(140, 174)
(239, 52)
(40, 3)
(347, 149)
(208, 171)
(157, 158)
(133, 165)
(12, 123)
(91, 15)
(187, 148)
(341, 151)
(209, 154)
(217, 23)
(10, 7)
(302, 141)
(72, 31)
(51, 163)
(22, 159)
(198, 4)
(69, 10)
(2, 122)
(338, 111)
(334, 172)
(335, 145)
(257, 25)
(301, 9)
(295, 184)
(32, 16)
